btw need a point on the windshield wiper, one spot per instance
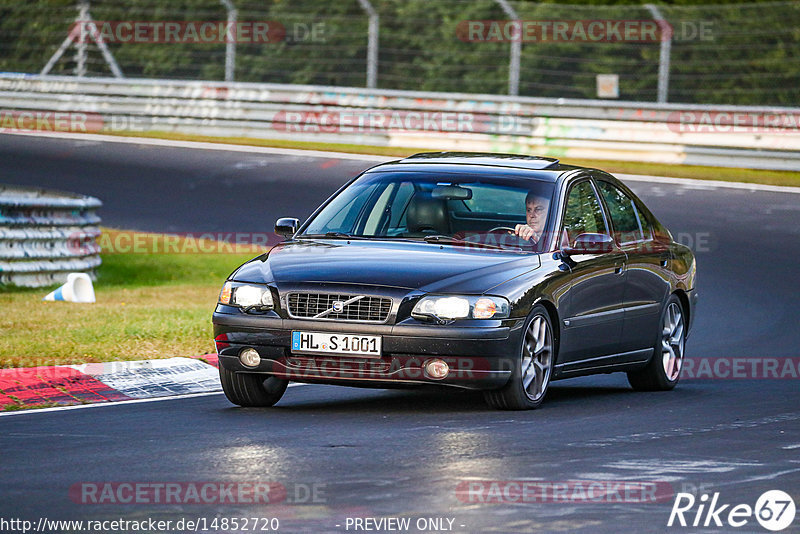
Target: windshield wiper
(450, 240)
(333, 235)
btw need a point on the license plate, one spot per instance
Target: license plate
(329, 343)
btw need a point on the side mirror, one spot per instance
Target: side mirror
(286, 226)
(590, 244)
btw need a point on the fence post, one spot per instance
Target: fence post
(80, 56)
(230, 44)
(664, 52)
(372, 43)
(516, 49)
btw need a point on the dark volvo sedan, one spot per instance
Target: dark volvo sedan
(490, 272)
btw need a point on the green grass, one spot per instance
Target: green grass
(133, 271)
(730, 174)
(148, 306)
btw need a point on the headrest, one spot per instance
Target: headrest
(427, 214)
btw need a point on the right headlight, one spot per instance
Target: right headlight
(450, 307)
(246, 296)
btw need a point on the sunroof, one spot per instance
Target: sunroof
(480, 158)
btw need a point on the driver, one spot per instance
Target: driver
(535, 215)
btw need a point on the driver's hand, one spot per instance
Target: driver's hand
(524, 231)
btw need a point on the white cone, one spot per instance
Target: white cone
(77, 289)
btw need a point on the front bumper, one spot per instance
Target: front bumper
(480, 353)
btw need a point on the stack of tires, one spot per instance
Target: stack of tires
(45, 235)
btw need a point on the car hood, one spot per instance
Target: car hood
(412, 265)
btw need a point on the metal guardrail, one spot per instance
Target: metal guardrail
(577, 129)
(44, 235)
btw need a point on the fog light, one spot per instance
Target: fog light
(437, 369)
(249, 358)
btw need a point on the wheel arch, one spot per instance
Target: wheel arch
(684, 300)
(552, 311)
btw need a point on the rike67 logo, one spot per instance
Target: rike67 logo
(774, 510)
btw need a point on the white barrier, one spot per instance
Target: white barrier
(752, 137)
(44, 235)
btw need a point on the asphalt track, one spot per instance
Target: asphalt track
(403, 453)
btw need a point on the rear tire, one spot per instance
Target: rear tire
(251, 390)
(664, 368)
(533, 367)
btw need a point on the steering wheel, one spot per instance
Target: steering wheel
(524, 243)
(504, 228)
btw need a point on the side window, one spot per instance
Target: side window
(629, 224)
(583, 213)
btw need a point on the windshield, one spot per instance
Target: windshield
(441, 208)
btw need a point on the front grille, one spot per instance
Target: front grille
(366, 308)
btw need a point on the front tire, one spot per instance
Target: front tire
(533, 367)
(251, 390)
(664, 369)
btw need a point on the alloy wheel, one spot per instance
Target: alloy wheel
(537, 358)
(672, 341)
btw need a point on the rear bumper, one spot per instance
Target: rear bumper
(479, 355)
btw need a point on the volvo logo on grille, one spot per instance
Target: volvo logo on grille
(337, 306)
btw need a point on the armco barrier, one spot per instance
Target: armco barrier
(44, 235)
(750, 137)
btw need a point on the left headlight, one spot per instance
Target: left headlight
(448, 307)
(246, 296)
